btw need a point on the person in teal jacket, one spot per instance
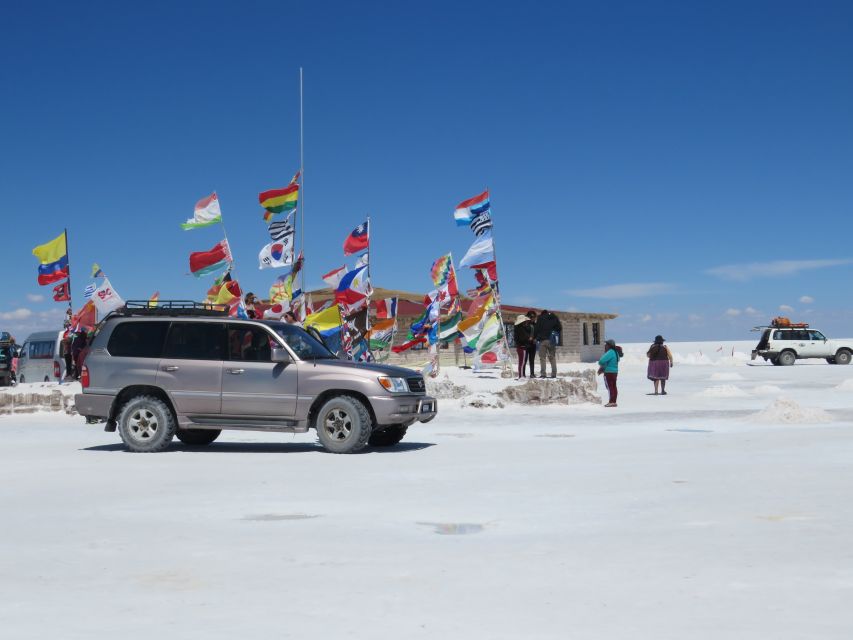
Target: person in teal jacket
(608, 364)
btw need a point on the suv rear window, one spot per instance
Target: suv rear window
(196, 341)
(138, 339)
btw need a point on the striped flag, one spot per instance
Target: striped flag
(482, 222)
(279, 230)
(386, 308)
(89, 290)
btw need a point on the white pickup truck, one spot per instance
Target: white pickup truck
(785, 345)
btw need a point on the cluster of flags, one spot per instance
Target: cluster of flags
(479, 330)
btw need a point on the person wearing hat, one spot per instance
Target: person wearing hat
(608, 364)
(660, 360)
(523, 336)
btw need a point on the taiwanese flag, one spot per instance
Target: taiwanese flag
(358, 240)
(61, 292)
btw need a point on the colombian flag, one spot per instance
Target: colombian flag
(53, 257)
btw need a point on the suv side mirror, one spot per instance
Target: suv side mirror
(280, 354)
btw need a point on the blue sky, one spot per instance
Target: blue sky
(688, 167)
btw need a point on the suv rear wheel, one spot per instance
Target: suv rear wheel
(842, 357)
(787, 358)
(343, 425)
(146, 424)
(198, 437)
(387, 437)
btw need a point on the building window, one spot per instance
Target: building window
(596, 333)
(585, 334)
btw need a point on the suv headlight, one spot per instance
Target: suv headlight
(394, 385)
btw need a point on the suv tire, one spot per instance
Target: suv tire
(146, 424)
(387, 437)
(787, 358)
(842, 357)
(197, 437)
(343, 425)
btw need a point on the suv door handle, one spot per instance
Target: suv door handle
(236, 372)
(171, 368)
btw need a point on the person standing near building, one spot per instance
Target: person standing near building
(660, 360)
(522, 335)
(608, 364)
(547, 332)
(531, 347)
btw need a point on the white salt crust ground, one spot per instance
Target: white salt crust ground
(669, 517)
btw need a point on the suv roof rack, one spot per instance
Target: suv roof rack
(171, 308)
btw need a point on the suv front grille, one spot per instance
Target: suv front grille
(416, 384)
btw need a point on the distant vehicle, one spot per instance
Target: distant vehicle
(188, 370)
(7, 353)
(784, 342)
(39, 360)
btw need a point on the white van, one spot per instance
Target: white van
(39, 360)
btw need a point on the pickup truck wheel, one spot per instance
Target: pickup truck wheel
(842, 357)
(387, 437)
(197, 437)
(343, 425)
(146, 424)
(787, 358)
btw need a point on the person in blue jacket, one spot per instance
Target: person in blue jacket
(608, 364)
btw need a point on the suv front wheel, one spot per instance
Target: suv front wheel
(343, 425)
(146, 424)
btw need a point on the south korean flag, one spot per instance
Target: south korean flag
(277, 254)
(481, 222)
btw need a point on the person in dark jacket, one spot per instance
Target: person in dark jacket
(547, 332)
(531, 348)
(78, 343)
(523, 336)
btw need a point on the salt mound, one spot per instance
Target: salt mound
(482, 400)
(847, 385)
(554, 391)
(726, 376)
(767, 390)
(445, 389)
(723, 391)
(787, 411)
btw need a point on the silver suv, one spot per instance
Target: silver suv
(154, 374)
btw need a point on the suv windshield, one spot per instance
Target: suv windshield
(304, 345)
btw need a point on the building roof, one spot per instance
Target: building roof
(412, 304)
